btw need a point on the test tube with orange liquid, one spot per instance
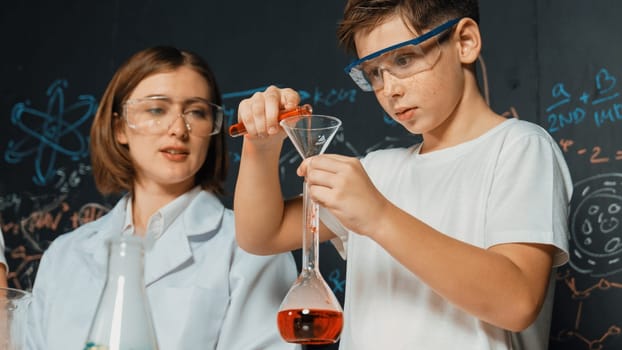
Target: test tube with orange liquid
(238, 129)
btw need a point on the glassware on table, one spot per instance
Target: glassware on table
(310, 313)
(123, 318)
(14, 305)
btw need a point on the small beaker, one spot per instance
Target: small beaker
(14, 305)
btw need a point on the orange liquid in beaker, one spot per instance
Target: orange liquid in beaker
(310, 326)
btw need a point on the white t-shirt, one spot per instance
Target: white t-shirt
(509, 185)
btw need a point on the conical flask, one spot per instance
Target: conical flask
(123, 318)
(310, 313)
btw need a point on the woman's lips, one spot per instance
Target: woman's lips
(175, 153)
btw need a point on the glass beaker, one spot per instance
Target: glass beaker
(14, 305)
(310, 313)
(123, 317)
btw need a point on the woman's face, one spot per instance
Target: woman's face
(168, 159)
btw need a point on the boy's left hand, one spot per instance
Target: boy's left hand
(341, 185)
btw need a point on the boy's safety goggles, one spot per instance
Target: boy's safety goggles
(400, 60)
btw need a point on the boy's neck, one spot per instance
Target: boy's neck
(471, 119)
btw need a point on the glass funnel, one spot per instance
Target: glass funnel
(310, 312)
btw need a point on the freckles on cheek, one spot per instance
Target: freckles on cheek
(434, 88)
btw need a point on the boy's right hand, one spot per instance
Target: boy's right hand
(260, 112)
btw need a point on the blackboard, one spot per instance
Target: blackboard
(555, 63)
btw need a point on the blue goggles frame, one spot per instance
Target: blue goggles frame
(359, 77)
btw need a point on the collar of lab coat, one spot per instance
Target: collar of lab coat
(199, 221)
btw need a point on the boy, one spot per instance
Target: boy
(450, 243)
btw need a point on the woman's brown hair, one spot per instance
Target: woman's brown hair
(112, 165)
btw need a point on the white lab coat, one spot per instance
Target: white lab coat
(205, 292)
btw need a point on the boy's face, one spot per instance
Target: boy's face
(423, 101)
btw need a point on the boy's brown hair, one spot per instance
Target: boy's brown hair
(364, 15)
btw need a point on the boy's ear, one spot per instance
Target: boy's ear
(469, 40)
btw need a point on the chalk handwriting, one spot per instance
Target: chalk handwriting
(333, 96)
(72, 179)
(319, 97)
(337, 282)
(595, 248)
(49, 217)
(50, 132)
(10, 201)
(600, 106)
(581, 296)
(23, 275)
(605, 83)
(31, 235)
(594, 154)
(596, 225)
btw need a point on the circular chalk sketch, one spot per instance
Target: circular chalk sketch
(595, 225)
